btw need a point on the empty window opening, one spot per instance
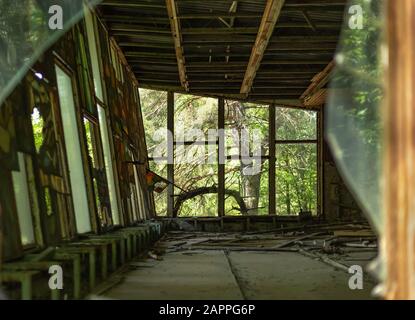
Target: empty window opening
(296, 164)
(109, 167)
(23, 202)
(71, 134)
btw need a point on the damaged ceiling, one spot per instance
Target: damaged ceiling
(246, 49)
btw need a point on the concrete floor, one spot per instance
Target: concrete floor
(180, 276)
(212, 275)
(292, 276)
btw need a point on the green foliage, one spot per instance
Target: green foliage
(296, 178)
(296, 124)
(154, 109)
(38, 124)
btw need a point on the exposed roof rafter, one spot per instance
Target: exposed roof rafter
(232, 10)
(175, 28)
(269, 20)
(316, 92)
(185, 45)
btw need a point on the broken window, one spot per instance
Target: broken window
(23, 201)
(154, 108)
(296, 161)
(99, 179)
(54, 196)
(109, 168)
(195, 154)
(247, 146)
(104, 179)
(71, 134)
(94, 53)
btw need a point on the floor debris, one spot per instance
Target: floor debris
(305, 262)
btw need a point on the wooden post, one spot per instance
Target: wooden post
(170, 153)
(221, 158)
(398, 242)
(272, 205)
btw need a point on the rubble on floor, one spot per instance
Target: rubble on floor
(347, 244)
(305, 262)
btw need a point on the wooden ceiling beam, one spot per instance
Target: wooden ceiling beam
(145, 45)
(269, 20)
(316, 92)
(283, 88)
(138, 54)
(278, 62)
(199, 16)
(254, 30)
(131, 4)
(291, 45)
(281, 100)
(137, 28)
(290, 3)
(315, 54)
(142, 19)
(152, 61)
(152, 71)
(316, 3)
(175, 28)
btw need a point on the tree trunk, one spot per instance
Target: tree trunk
(208, 190)
(250, 187)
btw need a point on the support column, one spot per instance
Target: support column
(272, 205)
(221, 158)
(398, 243)
(170, 153)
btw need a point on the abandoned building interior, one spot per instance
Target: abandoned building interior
(113, 166)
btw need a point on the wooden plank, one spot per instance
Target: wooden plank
(293, 241)
(316, 93)
(175, 29)
(269, 20)
(354, 233)
(399, 140)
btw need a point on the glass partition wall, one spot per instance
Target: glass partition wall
(266, 150)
